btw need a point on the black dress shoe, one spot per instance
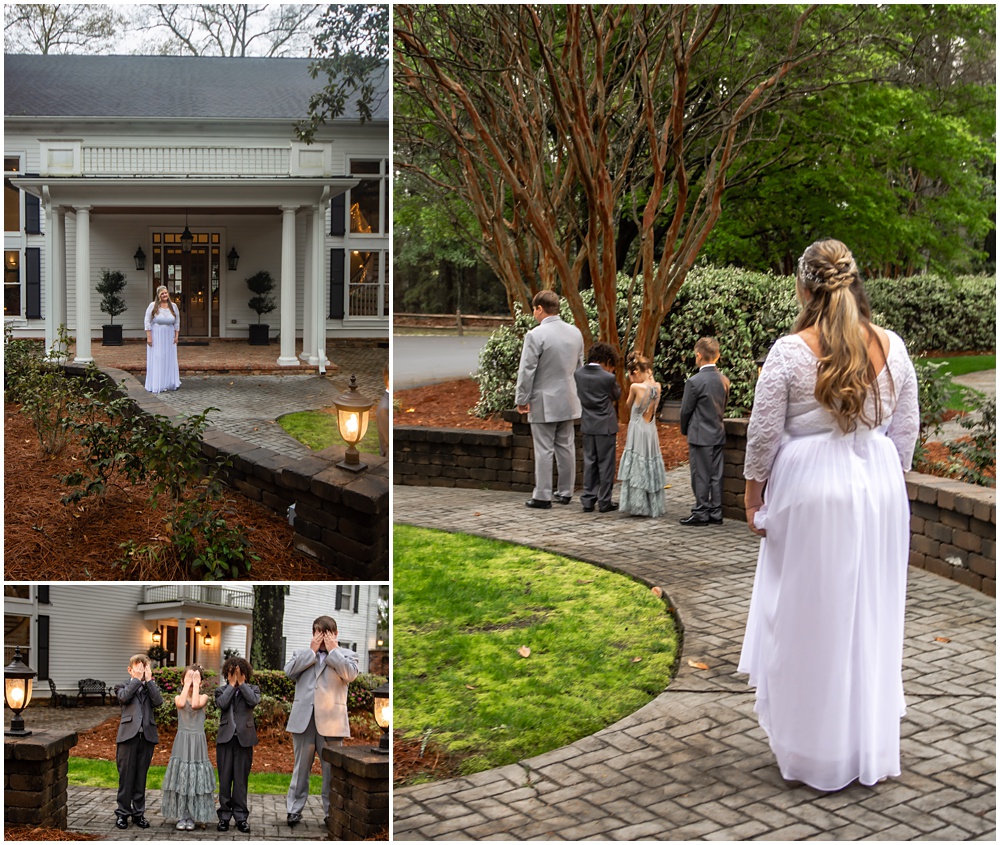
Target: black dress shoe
(588, 508)
(222, 825)
(563, 500)
(294, 819)
(243, 826)
(537, 503)
(715, 521)
(121, 822)
(694, 520)
(608, 508)
(140, 821)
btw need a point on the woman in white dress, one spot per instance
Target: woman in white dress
(833, 428)
(163, 327)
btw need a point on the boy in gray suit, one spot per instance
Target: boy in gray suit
(235, 741)
(136, 740)
(703, 409)
(598, 390)
(546, 392)
(322, 674)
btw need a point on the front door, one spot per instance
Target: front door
(192, 279)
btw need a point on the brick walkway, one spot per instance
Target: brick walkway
(694, 764)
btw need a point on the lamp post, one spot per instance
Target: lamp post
(17, 679)
(383, 716)
(353, 411)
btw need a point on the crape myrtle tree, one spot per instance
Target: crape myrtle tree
(268, 626)
(585, 136)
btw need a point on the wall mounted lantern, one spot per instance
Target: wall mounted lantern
(208, 638)
(140, 259)
(157, 637)
(233, 259)
(17, 680)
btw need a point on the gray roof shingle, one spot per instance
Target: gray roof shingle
(164, 86)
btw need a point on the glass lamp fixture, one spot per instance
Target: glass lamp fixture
(197, 627)
(353, 411)
(186, 237)
(17, 680)
(383, 716)
(157, 637)
(140, 259)
(233, 259)
(208, 638)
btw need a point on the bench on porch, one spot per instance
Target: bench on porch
(59, 699)
(90, 688)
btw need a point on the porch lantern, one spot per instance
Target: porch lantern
(140, 259)
(353, 411)
(157, 637)
(17, 679)
(383, 716)
(208, 638)
(233, 259)
(186, 237)
(197, 627)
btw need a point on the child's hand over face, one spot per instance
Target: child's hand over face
(330, 639)
(316, 643)
(147, 673)
(136, 671)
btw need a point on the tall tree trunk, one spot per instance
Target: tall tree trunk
(268, 624)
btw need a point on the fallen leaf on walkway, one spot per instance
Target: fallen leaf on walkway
(657, 592)
(941, 640)
(524, 651)
(694, 664)
(667, 486)
(477, 513)
(636, 659)
(409, 410)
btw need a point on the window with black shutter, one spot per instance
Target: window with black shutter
(32, 215)
(337, 257)
(338, 214)
(33, 283)
(42, 653)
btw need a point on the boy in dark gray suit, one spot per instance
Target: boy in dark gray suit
(235, 741)
(703, 409)
(598, 390)
(136, 740)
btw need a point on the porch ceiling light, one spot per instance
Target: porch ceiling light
(353, 411)
(197, 627)
(140, 259)
(186, 237)
(233, 259)
(383, 716)
(17, 680)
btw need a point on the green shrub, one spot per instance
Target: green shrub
(359, 693)
(974, 456)
(498, 362)
(274, 683)
(271, 712)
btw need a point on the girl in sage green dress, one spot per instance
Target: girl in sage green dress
(189, 782)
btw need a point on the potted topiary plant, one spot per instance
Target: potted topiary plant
(261, 284)
(110, 287)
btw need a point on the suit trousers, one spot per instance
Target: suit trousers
(598, 469)
(554, 440)
(234, 762)
(133, 758)
(706, 480)
(306, 746)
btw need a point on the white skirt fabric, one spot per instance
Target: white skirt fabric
(824, 639)
(162, 371)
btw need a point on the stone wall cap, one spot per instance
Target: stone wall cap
(359, 760)
(40, 745)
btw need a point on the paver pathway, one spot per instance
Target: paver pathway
(694, 764)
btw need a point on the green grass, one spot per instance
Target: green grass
(602, 646)
(104, 774)
(961, 365)
(318, 430)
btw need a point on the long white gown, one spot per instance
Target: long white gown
(162, 370)
(824, 638)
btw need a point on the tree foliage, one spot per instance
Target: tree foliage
(55, 28)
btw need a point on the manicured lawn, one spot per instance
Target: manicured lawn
(104, 774)
(318, 430)
(962, 364)
(601, 646)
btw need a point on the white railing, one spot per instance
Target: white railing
(198, 594)
(189, 161)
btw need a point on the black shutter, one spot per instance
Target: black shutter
(43, 594)
(337, 257)
(357, 594)
(33, 283)
(338, 214)
(340, 597)
(32, 215)
(42, 652)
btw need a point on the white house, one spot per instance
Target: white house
(185, 171)
(68, 632)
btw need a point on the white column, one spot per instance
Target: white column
(47, 282)
(181, 640)
(83, 355)
(288, 358)
(249, 639)
(220, 648)
(307, 289)
(57, 272)
(318, 352)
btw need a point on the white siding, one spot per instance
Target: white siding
(305, 602)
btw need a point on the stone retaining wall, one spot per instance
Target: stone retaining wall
(953, 524)
(36, 779)
(359, 793)
(341, 517)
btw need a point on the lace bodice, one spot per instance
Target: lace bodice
(785, 405)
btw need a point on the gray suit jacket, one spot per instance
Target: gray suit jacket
(552, 351)
(236, 713)
(321, 691)
(598, 391)
(137, 709)
(703, 408)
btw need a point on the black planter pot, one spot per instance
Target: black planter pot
(112, 336)
(258, 334)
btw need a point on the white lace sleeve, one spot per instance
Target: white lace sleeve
(148, 320)
(904, 428)
(767, 421)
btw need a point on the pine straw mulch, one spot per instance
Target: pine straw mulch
(446, 405)
(273, 753)
(47, 540)
(414, 761)
(20, 833)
